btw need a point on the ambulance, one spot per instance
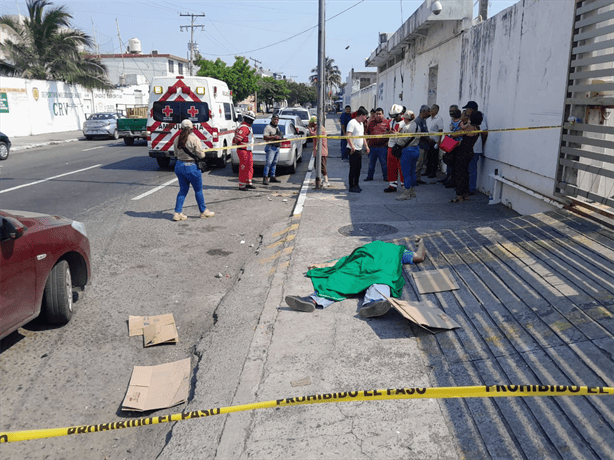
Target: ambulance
(206, 102)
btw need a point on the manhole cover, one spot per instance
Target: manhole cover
(367, 230)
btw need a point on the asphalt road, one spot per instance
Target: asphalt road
(143, 264)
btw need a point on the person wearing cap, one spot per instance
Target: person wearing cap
(271, 133)
(187, 170)
(378, 125)
(478, 148)
(344, 120)
(313, 131)
(410, 155)
(244, 140)
(394, 166)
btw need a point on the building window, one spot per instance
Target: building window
(180, 68)
(171, 66)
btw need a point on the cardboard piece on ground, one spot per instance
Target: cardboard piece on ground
(429, 281)
(158, 387)
(154, 329)
(424, 314)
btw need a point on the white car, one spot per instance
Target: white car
(300, 126)
(290, 151)
(102, 124)
(303, 114)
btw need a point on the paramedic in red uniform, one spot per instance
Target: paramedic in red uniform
(244, 138)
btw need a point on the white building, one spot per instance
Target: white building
(516, 66)
(136, 69)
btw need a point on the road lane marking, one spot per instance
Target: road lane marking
(298, 209)
(48, 179)
(94, 148)
(154, 190)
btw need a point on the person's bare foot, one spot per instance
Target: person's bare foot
(420, 252)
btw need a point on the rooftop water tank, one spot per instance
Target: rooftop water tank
(134, 46)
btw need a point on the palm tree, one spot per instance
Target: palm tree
(332, 75)
(46, 48)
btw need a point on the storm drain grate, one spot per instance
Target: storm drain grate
(367, 230)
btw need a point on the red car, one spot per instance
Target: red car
(42, 259)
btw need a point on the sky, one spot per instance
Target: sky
(281, 34)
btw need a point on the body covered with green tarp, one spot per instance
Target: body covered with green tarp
(374, 263)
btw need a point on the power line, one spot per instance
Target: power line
(289, 38)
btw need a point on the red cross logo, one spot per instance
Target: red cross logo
(167, 111)
(193, 111)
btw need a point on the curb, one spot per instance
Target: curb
(40, 144)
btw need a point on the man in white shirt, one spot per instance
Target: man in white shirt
(435, 125)
(478, 148)
(356, 127)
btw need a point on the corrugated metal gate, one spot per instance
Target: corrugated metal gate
(586, 161)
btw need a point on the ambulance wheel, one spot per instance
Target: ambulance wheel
(235, 168)
(129, 140)
(221, 162)
(164, 163)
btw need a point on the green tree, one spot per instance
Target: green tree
(240, 78)
(301, 93)
(271, 90)
(48, 48)
(332, 76)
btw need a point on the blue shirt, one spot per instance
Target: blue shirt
(345, 119)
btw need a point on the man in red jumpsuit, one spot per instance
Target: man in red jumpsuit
(244, 139)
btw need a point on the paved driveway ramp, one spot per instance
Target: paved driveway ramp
(536, 308)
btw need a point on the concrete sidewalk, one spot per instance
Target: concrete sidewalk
(40, 140)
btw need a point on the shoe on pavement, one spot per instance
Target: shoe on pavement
(406, 195)
(368, 179)
(390, 190)
(274, 180)
(179, 216)
(250, 186)
(354, 190)
(375, 308)
(206, 213)
(420, 182)
(300, 303)
(265, 181)
(243, 189)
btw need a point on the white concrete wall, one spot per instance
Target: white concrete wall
(37, 106)
(514, 65)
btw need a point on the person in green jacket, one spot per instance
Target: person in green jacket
(376, 268)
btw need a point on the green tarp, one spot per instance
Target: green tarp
(374, 263)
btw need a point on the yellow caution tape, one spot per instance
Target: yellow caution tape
(386, 136)
(489, 391)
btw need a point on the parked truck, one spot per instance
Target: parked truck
(134, 126)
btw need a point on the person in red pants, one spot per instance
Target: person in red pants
(394, 166)
(244, 139)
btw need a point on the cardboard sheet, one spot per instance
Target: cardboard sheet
(158, 387)
(154, 329)
(429, 281)
(424, 314)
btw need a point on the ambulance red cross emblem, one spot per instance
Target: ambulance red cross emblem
(193, 111)
(167, 111)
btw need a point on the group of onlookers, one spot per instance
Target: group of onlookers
(403, 158)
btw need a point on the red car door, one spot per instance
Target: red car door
(17, 281)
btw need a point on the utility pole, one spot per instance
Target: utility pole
(321, 88)
(256, 92)
(483, 9)
(191, 44)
